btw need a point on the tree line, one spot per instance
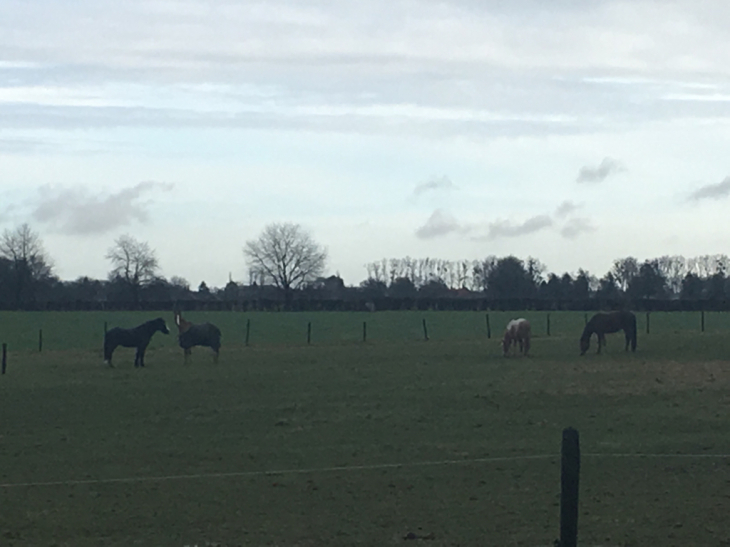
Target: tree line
(285, 264)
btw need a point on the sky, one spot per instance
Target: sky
(574, 132)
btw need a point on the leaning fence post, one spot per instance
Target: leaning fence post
(425, 330)
(248, 329)
(5, 357)
(489, 328)
(569, 482)
(548, 324)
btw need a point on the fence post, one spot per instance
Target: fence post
(569, 482)
(5, 357)
(425, 330)
(489, 328)
(548, 324)
(702, 315)
(647, 322)
(309, 332)
(248, 329)
(364, 331)
(40, 340)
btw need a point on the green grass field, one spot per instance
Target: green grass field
(350, 443)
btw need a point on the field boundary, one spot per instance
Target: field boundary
(345, 468)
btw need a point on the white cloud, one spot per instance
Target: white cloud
(77, 211)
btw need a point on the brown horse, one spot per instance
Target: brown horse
(606, 323)
(517, 332)
(204, 334)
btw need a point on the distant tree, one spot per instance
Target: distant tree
(203, 288)
(552, 289)
(624, 270)
(509, 279)
(30, 265)
(692, 287)
(231, 291)
(673, 268)
(287, 256)
(608, 287)
(134, 265)
(481, 270)
(715, 286)
(582, 285)
(373, 288)
(402, 287)
(434, 289)
(649, 282)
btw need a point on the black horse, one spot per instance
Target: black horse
(606, 323)
(138, 337)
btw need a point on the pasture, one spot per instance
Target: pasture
(395, 441)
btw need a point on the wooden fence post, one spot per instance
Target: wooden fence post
(548, 324)
(425, 330)
(364, 331)
(40, 340)
(569, 483)
(5, 357)
(647, 322)
(702, 316)
(248, 329)
(489, 328)
(309, 332)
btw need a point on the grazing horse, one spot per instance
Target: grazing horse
(606, 323)
(138, 337)
(518, 332)
(203, 334)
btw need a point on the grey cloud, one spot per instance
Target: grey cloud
(566, 208)
(436, 183)
(440, 223)
(577, 226)
(711, 191)
(607, 167)
(505, 228)
(79, 212)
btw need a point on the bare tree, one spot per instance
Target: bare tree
(286, 255)
(133, 263)
(624, 270)
(30, 264)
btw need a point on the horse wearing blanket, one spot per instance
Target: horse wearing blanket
(518, 332)
(203, 334)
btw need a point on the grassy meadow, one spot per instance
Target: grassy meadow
(395, 441)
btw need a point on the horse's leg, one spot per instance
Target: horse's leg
(600, 339)
(140, 355)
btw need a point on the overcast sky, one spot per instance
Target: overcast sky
(576, 132)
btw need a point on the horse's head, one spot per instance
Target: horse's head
(182, 325)
(584, 343)
(506, 342)
(162, 326)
